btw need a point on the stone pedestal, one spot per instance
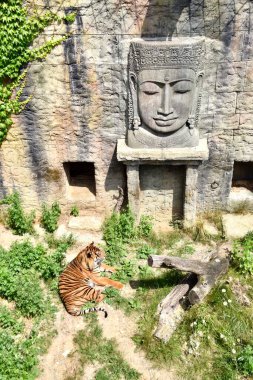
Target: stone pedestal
(190, 157)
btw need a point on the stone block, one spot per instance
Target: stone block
(237, 226)
(223, 102)
(246, 122)
(230, 76)
(244, 102)
(248, 81)
(225, 122)
(125, 153)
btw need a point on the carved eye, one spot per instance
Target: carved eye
(150, 92)
(182, 87)
(89, 255)
(149, 88)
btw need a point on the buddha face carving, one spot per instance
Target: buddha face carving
(165, 82)
(164, 98)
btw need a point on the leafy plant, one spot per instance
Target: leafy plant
(145, 226)
(144, 251)
(20, 25)
(74, 211)
(242, 254)
(245, 360)
(50, 216)
(17, 219)
(9, 321)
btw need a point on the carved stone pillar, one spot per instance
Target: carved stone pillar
(133, 186)
(190, 201)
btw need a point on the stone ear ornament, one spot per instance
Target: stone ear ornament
(136, 123)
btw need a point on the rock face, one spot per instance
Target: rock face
(62, 147)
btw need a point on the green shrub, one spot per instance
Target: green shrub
(119, 226)
(145, 226)
(74, 211)
(144, 251)
(17, 220)
(50, 216)
(29, 296)
(242, 254)
(245, 361)
(9, 321)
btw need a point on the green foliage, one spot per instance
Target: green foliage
(17, 220)
(74, 211)
(126, 270)
(21, 269)
(20, 26)
(245, 360)
(64, 241)
(50, 216)
(242, 254)
(9, 320)
(218, 332)
(93, 347)
(145, 226)
(144, 251)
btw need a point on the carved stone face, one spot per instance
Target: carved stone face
(164, 98)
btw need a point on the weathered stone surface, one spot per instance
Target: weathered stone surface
(237, 226)
(88, 223)
(199, 153)
(79, 105)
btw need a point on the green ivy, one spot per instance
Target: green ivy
(19, 28)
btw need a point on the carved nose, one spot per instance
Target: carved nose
(165, 108)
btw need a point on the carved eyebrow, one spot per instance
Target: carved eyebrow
(157, 82)
(182, 80)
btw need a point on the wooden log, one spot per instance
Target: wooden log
(217, 268)
(185, 265)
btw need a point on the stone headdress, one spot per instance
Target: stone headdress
(178, 53)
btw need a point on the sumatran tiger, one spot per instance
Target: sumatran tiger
(77, 281)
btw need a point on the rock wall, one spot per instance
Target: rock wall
(79, 104)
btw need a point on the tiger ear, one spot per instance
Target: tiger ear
(92, 243)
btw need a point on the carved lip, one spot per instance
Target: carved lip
(165, 122)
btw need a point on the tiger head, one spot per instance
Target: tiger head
(91, 257)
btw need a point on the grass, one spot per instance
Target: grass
(94, 348)
(27, 278)
(215, 339)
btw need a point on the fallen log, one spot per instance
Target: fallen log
(194, 287)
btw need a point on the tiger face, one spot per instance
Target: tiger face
(91, 257)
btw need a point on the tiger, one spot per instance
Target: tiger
(77, 281)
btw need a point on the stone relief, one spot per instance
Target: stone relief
(165, 82)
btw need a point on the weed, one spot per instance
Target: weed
(19, 222)
(23, 267)
(144, 251)
(9, 320)
(92, 346)
(74, 211)
(245, 360)
(65, 240)
(50, 216)
(145, 226)
(242, 254)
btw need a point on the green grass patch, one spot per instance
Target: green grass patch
(94, 348)
(27, 273)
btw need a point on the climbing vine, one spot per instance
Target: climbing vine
(20, 25)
